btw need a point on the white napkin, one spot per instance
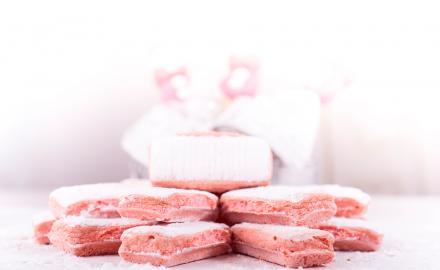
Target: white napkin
(288, 121)
(166, 120)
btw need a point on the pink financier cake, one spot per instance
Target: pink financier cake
(285, 245)
(351, 202)
(212, 161)
(42, 223)
(94, 200)
(170, 205)
(285, 205)
(175, 243)
(353, 234)
(83, 236)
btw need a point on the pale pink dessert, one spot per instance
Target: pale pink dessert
(83, 236)
(211, 161)
(170, 205)
(285, 245)
(353, 234)
(42, 223)
(93, 200)
(284, 205)
(351, 202)
(175, 243)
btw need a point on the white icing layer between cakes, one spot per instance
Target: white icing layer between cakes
(286, 193)
(176, 229)
(210, 158)
(66, 196)
(285, 232)
(100, 222)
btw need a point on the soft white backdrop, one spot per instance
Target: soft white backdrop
(75, 75)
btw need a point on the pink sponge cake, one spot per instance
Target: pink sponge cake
(351, 202)
(94, 200)
(353, 234)
(170, 205)
(82, 236)
(213, 161)
(175, 243)
(284, 205)
(42, 223)
(285, 245)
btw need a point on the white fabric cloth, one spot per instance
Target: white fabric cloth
(287, 121)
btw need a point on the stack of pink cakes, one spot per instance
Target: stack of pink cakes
(209, 194)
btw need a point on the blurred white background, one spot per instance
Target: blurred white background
(75, 75)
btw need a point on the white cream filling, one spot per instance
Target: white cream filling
(99, 222)
(176, 229)
(185, 250)
(285, 232)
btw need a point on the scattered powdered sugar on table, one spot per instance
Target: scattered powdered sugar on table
(176, 229)
(410, 240)
(286, 232)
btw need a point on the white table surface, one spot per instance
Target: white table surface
(411, 226)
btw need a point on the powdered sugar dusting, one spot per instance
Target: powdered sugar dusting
(287, 193)
(176, 229)
(166, 192)
(100, 222)
(286, 232)
(41, 217)
(66, 196)
(351, 223)
(210, 158)
(340, 192)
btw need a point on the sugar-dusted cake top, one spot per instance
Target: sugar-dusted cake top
(287, 193)
(340, 192)
(210, 157)
(66, 196)
(351, 222)
(72, 194)
(41, 217)
(100, 222)
(176, 229)
(285, 232)
(166, 192)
